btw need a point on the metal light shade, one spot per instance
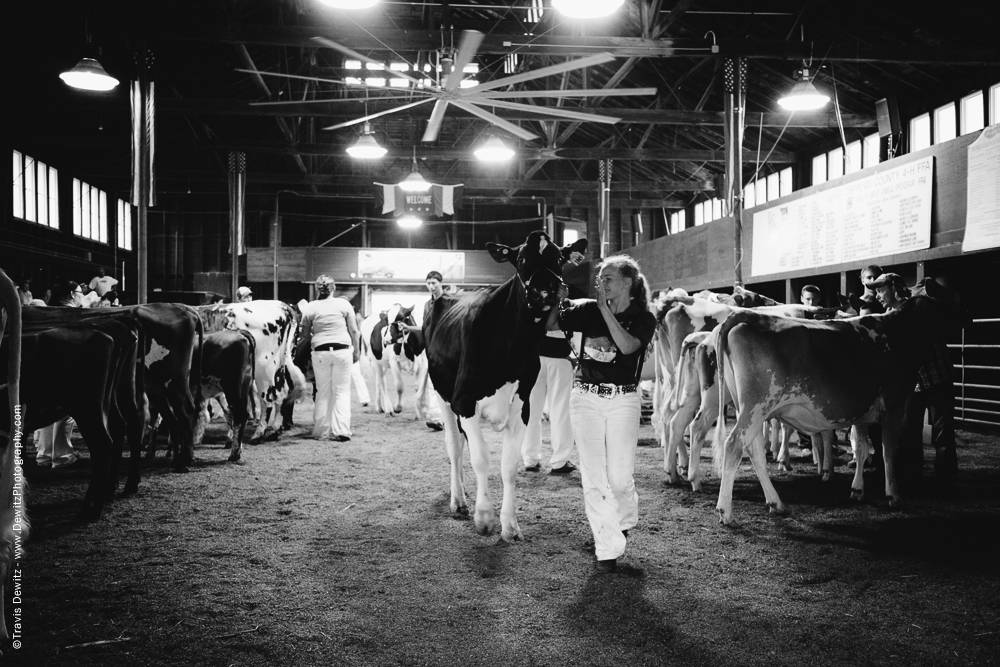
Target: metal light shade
(586, 9)
(350, 4)
(803, 96)
(494, 150)
(414, 183)
(366, 148)
(89, 75)
(409, 221)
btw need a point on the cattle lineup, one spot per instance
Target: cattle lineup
(862, 373)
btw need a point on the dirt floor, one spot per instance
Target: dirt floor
(318, 553)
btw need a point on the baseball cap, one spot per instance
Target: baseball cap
(243, 291)
(888, 278)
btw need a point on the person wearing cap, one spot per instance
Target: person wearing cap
(934, 393)
(244, 294)
(435, 285)
(329, 326)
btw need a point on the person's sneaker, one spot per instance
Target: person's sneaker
(607, 566)
(43, 463)
(341, 438)
(533, 468)
(564, 469)
(66, 462)
(434, 426)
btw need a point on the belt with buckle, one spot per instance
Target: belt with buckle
(605, 390)
(326, 347)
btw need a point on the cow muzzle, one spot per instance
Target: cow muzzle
(543, 290)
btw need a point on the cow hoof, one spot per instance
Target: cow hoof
(776, 509)
(895, 503)
(511, 536)
(130, 490)
(857, 495)
(825, 477)
(460, 510)
(397, 410)
(270, 435)
(725, 518)
(696, 487)
(785, 467)
(486, 523)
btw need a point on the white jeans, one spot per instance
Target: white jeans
(332, 411)
(555, 380)
(54, 445)
(607, 432)
(359, 384)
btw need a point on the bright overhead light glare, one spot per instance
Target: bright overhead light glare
(414, 182)
(366, 148)
(89, 75)
(375, 82)
(587, 9)
(803, 96)
(409, 221)
(468, 83)
(349, 4)
(494, 150)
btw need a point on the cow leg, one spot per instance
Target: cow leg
(678, 423)
(455, 445)
(892, 428)
(94, 429)
(759, 462)
(822, 449)
(513, 438)
(397, 379)
(861, 446)
(707, 413)
(479, 455)
(731, 452)
(784, 455)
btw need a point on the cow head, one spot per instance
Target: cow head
(747, 299)
(395, 334)
(539, 264)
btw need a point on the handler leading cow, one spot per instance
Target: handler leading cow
(483, 360)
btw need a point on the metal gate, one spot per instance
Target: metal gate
(977, 392)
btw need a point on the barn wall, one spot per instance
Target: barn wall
(702, 257)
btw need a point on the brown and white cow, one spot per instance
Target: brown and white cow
(483, 360)
(228, 374)
(823, 375)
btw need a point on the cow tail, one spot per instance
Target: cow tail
(253, 371)
(12, 308)
(719, 443)
(196, 365)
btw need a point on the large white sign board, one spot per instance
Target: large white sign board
(982, 222)
(410, 264)
(883, 214)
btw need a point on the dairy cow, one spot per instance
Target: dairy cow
(482, 358)
(228, 374)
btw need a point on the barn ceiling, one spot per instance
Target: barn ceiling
(666, 148)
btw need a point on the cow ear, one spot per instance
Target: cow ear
(574, 252)
(405, 312)
(503, 253)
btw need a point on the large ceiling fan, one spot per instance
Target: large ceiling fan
(473, 99)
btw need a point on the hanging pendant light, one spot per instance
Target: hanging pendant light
(494, 150)
(89, 75)
(803, 96)
(586, 9)
(349, 4)
(366, 147)
(409, 221)
(414, 182)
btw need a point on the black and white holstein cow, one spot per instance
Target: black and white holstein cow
(228, 373)
(483, 360)
(823, 375)
(383, 341)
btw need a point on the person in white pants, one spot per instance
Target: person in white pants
(328, 323)
(555, 381)
(604, 403)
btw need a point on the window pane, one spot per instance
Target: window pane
(77, 207)
(871, 150)
(18, 180)
(853, 157)
(819, 170)
(749, 196)
(29, 189)
(85, 216)
(716, 208)
(920, 133)
(835, 163)
(682, 220)
(995, 104)
(53, 198)
(42, 179)
(128, 226)
(102, 229)
(944, 123)
(699, 215)
(972, 112)
(760, 191)
(772, 187)
(785, 179)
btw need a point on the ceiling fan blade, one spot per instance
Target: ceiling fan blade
(559, 68)
(496, 120)
(372, 116)
(359, 100)
(434, 124)
(467, 47)
(561, 112)
(589, 92)
(354, 54)
(290, 76)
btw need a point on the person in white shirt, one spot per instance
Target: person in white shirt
(328, 323)
(102, 283)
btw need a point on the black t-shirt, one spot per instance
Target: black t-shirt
(600, 359)
(554, 345)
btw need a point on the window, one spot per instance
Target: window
(399, 67)
(125, 225)
(995, 104)
(35, 191)
(677, 221)
(835, 163)
(749, 198)
(716, 208)
(699, 214)
(760, 187)
(375, 81)
(375, 67)
(819, 169)
(944, 123)
(920, 133)
(352, 64)
(853, 157)
(785, 181)
(772, 187)
(90, 212)
(871, 150)
(535, 11)
(972, 112)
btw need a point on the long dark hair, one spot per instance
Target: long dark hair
(629, 268)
